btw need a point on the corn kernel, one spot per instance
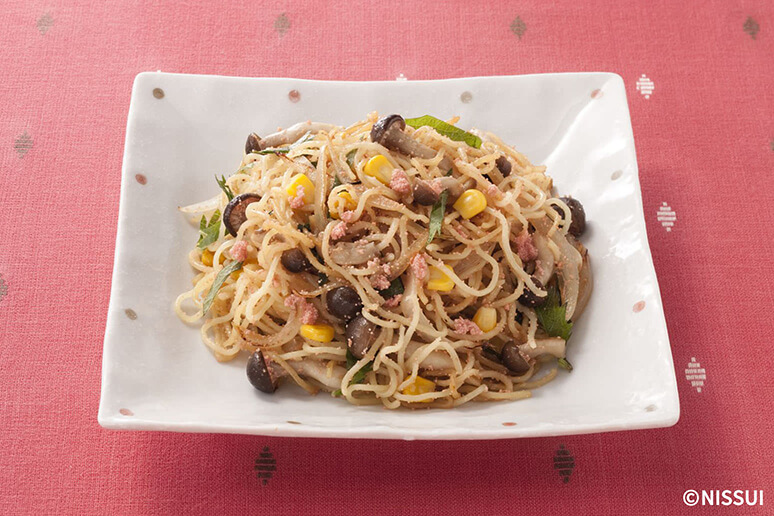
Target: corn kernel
(208, 255)
(235, 275)
(420, 386)
(486, 318)
(471, 203)
(380, 168)
(317, 332)
(438, 280)
(306, 183)
(342, 200)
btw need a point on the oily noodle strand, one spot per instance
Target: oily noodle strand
(249, 311)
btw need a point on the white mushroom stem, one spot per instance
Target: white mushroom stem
(293, 134)
(435, 361)
(396, 139)
(353, 253)
(552, 346)
(314, 370)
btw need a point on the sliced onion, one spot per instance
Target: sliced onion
(254, 340)
(586, 281)
(570, 269)
(194, 212)
(545, 257)
(200, 208)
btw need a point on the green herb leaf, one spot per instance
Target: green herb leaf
(357, 377)
(209, 231)
(219, 280)
(360, 375)
(449, 172)
(322, 278)
(284, 150)
(351, 159)
(565, 364)
(395, 288)
(336, 182)
(351, 360)
(223, 186)
(302, 227)
(551, 316)
(448, 130)
(436, 216)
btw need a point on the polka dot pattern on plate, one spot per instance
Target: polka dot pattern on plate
(158, 93)
(616, 175)
(131, 314)
(466, 97)
(141, 179)
(294, 96)
(639, 306)
(126, 412)
(597, 94)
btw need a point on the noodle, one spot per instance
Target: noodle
(321, 217)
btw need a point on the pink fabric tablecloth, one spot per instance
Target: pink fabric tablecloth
(699, 80)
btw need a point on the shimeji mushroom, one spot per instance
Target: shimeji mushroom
(388, 132)
(292, 134)
(516, 357)
(264, 374)
(234, 215)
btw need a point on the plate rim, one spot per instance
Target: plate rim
(667, 417)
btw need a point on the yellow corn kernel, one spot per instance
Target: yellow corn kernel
(380, 168)
(342, 200)
(317, 332)
(250, 266)
(486, 318)
(420, 386)
(306, 183)
(208, 255)
(438, 280)
(471, 203)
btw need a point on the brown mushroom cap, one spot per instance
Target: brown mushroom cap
(578, 226)
(513, 360)
(253, 143)
(259, 373)
(344, 302)
(425, 194)
(503, 165)
(234, 214)
(361, 334)
(382, 128)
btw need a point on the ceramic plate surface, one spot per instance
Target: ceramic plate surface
(183, 129)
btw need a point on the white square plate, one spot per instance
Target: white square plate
(183, 129)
